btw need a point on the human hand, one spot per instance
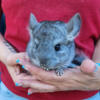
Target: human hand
(8, 56)
(79, 78)
(12, 64)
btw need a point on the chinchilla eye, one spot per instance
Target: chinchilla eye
(57, 47)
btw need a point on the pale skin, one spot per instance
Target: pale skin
(80, 78)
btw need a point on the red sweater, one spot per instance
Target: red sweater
(17, 18)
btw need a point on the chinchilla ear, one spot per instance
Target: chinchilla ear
(33, 21)
(73, 27)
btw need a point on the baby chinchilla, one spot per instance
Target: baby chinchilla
(51, 44)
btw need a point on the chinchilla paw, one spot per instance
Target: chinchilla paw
(59, 72)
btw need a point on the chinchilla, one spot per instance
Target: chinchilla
(51, 45)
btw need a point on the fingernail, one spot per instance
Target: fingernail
(23, 66)
(16, 84)
(29, 93)
(97, 66)
(17, 61)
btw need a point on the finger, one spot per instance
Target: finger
(23, 76)
(17, 70)
(31, 91)
(88, 66)
(27, 77)
(37, 85)
(40, 73)
(15, 58)
(18, 77)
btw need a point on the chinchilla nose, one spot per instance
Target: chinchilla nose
(43, 62)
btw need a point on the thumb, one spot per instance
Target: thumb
(88, 66)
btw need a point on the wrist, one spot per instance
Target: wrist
(4, 56)
(5, 49)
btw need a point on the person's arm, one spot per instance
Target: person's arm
(5, 49)
(8, 56)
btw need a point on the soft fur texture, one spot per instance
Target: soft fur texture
(51, 44)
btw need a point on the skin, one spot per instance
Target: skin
(73, 79)
(79, 78)
(8, 56)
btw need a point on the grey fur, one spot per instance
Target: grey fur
(46, 37)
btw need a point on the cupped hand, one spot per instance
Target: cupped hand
(12, 64)
(80, 78)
